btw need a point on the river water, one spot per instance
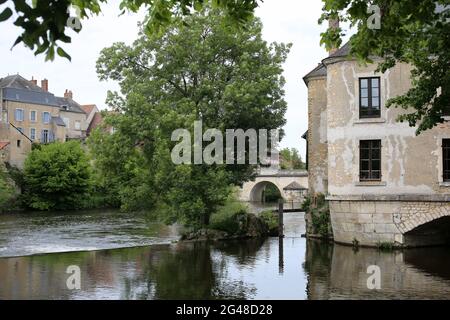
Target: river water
(291, 268)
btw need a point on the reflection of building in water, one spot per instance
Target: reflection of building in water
(339, 272)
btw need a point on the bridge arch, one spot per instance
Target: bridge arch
(292, 185)
(423, 225)
(257, 192)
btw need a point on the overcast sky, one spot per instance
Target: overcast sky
(291, 21)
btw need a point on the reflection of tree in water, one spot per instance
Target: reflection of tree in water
(317, 267)
(196, 270)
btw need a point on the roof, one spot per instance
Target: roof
(18, 82)
(3, 144)
(294, 186)
(87, 108)
(17, 88)
(342, 51)
(58, 121)
(96, 121)
(321, 69)
(69, 105)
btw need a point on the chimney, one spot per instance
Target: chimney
(333, 23)
(44, 85)
(68, 94)
(34, 81)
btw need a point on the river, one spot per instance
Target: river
(157, 268)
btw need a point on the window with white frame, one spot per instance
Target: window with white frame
(33, 115)
(46, 117)
(66, 122)
(18, 115)
(33, 133)
(77, 125)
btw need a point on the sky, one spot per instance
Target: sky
(289, 21)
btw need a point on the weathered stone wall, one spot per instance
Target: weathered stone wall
(410, 164)
(372, 223)
(317, 136)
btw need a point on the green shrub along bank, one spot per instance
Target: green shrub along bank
(233, 221)
(318, 223)
(7, 190)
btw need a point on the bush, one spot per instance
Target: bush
(229, 217)
(6, 190)
(57, 177)
(271, 219)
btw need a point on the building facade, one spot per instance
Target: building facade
(384, 183)
(31, 114)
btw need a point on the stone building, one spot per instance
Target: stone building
(31, 114)
(384, 184)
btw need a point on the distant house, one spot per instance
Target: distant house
(94, 119)
(31, 114)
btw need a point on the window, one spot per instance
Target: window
(33, 115)
(77, 125)
(369, 97)
(46, 117)
(370, 160)
(32, 133)
(45, 136)
(18, 143)
(67, 122)
(446, 159)
(18, 115)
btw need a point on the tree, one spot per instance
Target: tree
(199, 70)
(291, 159)
(6, 189)
(411, 31)
(46, 23)
(57, 177)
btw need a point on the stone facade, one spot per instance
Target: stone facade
(411, 193)
(31, 114)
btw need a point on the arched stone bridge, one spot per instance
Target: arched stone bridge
(292, 184)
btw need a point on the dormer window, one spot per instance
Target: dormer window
(369, 97)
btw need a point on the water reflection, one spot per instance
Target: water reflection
(292, 268)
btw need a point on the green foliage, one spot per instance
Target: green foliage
(202, 69)
(271, 218)
(44, 23)
(6, 189)
(306, 204)
(318, 208)
(412, 31)
(229, 217)
(271, 193)
(321, 220)
(386, 246)
(57, 177)
(291, 159)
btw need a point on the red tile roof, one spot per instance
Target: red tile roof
(96, 121)
(3, 144)
(88, 108)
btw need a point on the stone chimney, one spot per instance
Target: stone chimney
(34, 81)
(68, 94)
(44, 85)
(333, 23)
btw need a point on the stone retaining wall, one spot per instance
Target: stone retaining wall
(372, 223)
